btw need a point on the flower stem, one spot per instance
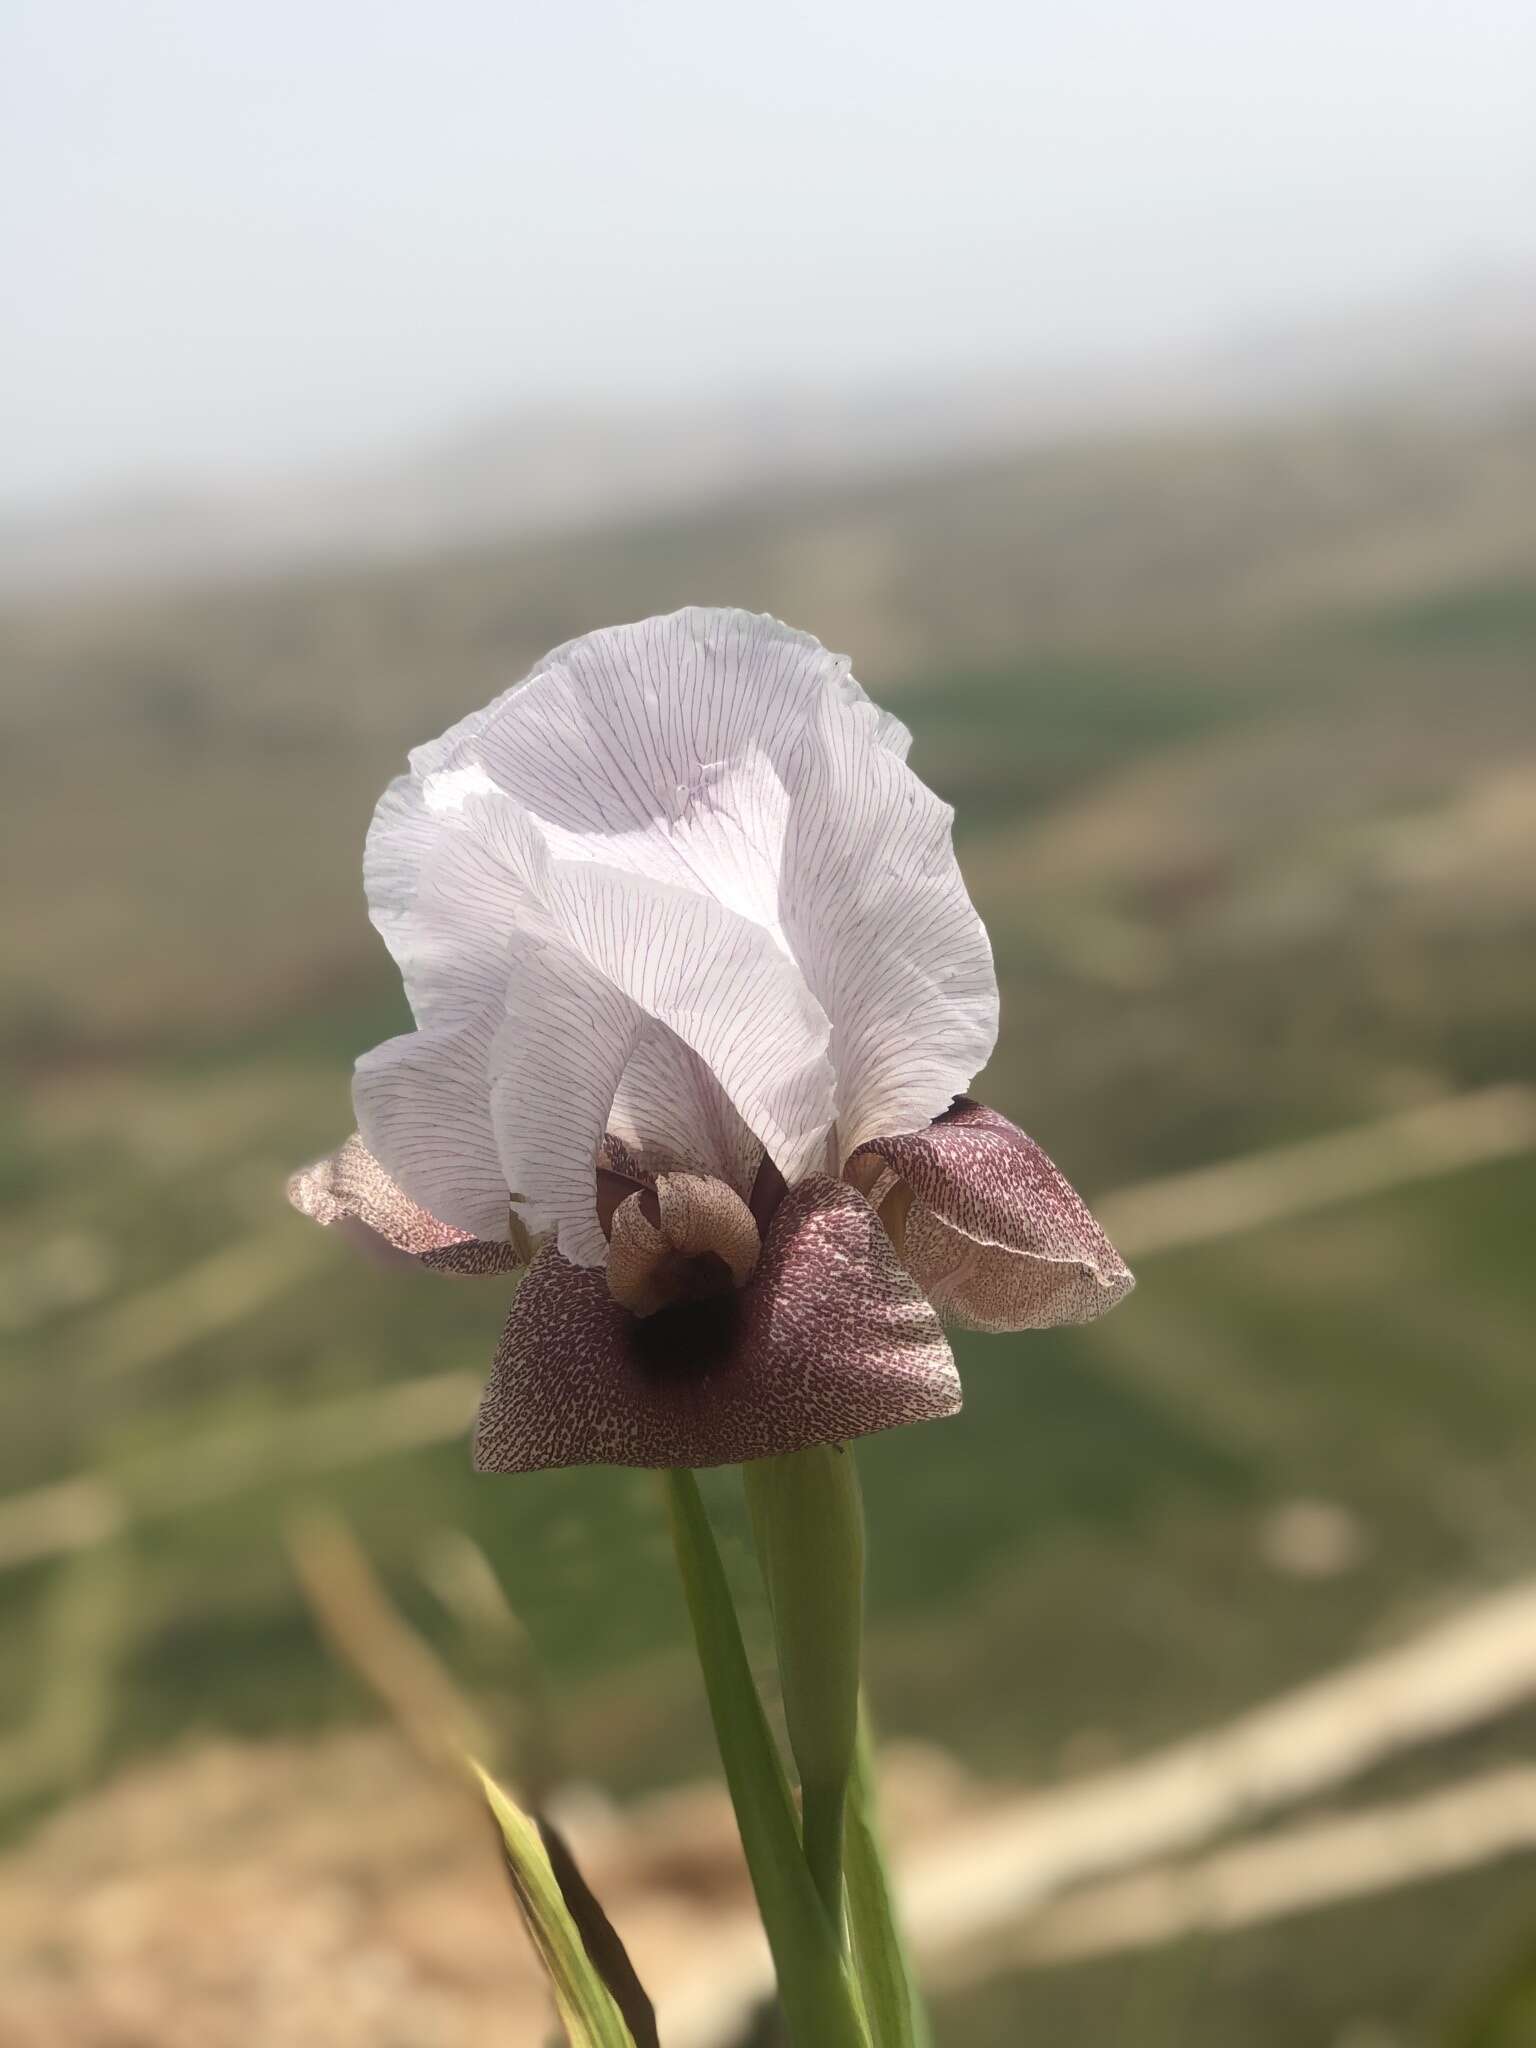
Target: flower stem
(819, 2000)
(808, 1522)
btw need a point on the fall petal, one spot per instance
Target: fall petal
(350, 1187)
(993, 1231)
(835, 1322)
(832, 1340)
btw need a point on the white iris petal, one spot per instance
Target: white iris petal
(447, 789)
(680, 884)
(423, 1112)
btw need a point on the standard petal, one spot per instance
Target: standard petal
(351, 1189)
(634, 954)
(565, 1038)
(735, 762)
(738, 1051)
(834, 1340)
(718, 984)
(658, 748)
(876, 912)
(671, 1112)
(423, 1111)
(992, 1230)
(451, 869)
(654, 747)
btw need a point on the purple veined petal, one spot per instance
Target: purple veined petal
(559, 996)
(564, 1041)
(994, 1232)
(667, 799)
(877, 914)
(350, 1189)
(634, 958)
(671, 1112)
(423, 1111)
(450, 869)
(623, 1001)
(719, 985)
(832, 1339)
(657, 749)
(453, 887)
(733, 757)
(653, 748)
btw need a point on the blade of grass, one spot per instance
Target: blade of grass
(587, 2010)
(818, 2000)
(592, 1977)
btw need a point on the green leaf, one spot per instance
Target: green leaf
(819, 2002)
(586, 2007)
(808, 1524)
(896, 2016)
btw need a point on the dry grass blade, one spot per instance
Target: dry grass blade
(575, 1938)
(588, 2011)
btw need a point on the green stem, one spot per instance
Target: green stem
(819, 2002)
(808, 1522)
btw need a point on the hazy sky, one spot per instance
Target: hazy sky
(249, 232)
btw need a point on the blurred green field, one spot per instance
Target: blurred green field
(1242, 740)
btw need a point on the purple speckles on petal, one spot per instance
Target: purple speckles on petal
(995, 1234)
(351, 1188)
(831, 1339)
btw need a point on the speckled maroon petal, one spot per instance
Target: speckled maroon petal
(619, 1158)
(834, 1340)
(476, 1256)
(995, 1234)
(351, 1189)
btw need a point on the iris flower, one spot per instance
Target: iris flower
(698, 992)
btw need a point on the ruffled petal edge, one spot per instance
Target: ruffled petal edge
(350, 1189)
